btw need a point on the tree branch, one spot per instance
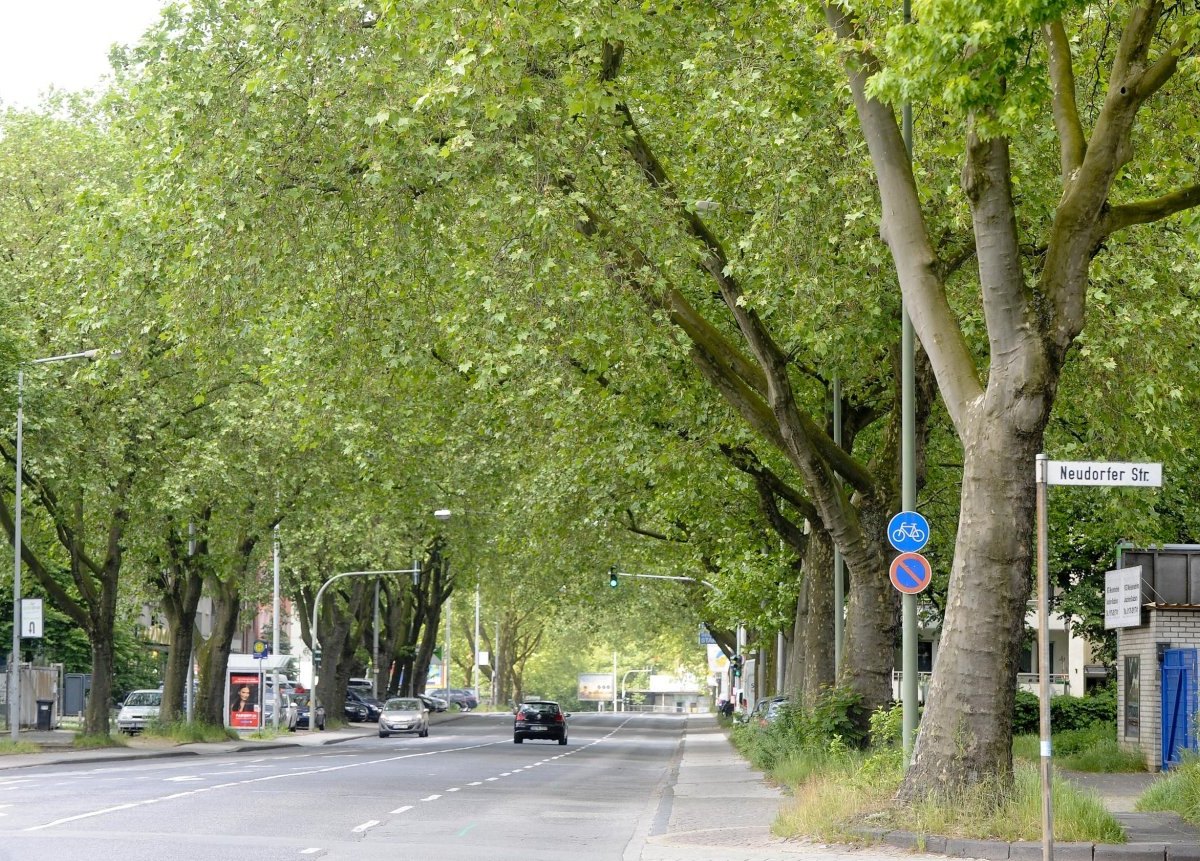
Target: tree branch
(1071, 141)
(1147, 211)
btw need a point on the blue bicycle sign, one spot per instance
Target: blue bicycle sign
(908, 532)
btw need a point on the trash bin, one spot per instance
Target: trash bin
(45, 714)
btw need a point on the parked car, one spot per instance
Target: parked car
(404, 714)
(462, 697)
(767, 710)
(363, 686)
(361, 707)
(287, 711)
(302, 703)
(539, 719)
(434, 704)
(139, 709)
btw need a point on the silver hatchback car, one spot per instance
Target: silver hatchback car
(404, 714)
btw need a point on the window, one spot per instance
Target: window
(1133, 697)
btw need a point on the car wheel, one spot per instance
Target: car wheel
(562, 740)
(383, 734)
(517, 739)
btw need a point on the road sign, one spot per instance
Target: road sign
(908, 531)
(261, 649)
(31, 617)
(1096, 473)
(1123, 597)
(911, 573)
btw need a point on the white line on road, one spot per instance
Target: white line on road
(313, 851)
(403, 809)
(370, 823)
(431, 798)
(455, 789)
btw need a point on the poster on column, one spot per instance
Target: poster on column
(245, 700)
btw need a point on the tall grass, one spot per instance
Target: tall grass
(1093, 749)
(1177, 790)
(838, 789)
(185, 732)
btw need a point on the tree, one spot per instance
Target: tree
(1014, 73)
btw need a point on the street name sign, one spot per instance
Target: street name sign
(911, 573)
(1123, 597)
(1083, 472)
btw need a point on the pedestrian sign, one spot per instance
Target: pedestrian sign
(908, 532)
(911, 573)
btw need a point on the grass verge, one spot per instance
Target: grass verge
(1177, 790)
(8, 747)
(1093, 749)
(184, 732)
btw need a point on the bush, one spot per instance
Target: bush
(799, 732)
(1066, 713)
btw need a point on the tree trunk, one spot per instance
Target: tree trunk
(966, 731)
(810, 661)
(869, 653)
(214, 653)
(96, 714)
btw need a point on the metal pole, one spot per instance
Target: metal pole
(839, 576)
(449, 604)
(908, 474)
(275, 619)
(14, 663)
(375, 646)
(614, 682)
(475, 661)
(14, 666)
(1044, 659)
(312, 699)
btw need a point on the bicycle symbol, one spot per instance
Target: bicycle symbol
(909, 531)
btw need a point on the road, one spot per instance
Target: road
(465, 792)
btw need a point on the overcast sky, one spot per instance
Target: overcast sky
(64, 43)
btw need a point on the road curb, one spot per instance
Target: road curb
(1024, 850)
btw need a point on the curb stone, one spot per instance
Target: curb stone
(1024, 850)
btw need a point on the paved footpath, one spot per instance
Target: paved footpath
(714, 807)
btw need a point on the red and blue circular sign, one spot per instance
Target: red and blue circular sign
(911, 573)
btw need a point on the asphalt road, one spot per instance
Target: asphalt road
(465, 792)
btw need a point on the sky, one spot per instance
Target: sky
(64, 43)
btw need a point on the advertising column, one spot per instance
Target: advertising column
(245, 700)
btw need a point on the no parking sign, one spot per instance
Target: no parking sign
(911, 573)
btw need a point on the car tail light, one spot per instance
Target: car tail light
(558, 718)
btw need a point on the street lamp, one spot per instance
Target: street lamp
(415, 571)
(445, 514)
(14, 669)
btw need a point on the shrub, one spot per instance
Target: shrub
(1066, 713)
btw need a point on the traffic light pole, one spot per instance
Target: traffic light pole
(613, 574)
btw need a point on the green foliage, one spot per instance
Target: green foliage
(11, 748)
(1066, 713)
(1177, 790)
(821, 734)
(189, 732)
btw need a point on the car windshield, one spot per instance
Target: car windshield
(403, 704)
(144, 698)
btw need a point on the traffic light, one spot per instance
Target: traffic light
(612, 577)
(317, 657)
(736, 662)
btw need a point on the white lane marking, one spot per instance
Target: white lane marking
(490, 779)
(431, 798)
(313, 851)
(455, 789)
(315, 770)
(370, 823)
(475, 783)
(403, 809)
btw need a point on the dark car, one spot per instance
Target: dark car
(302, 710)
(539, 719)
(462, 697)
(434, 704)
(360, 708)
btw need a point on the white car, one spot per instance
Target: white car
(139, 709)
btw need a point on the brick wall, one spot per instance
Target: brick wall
(1178, 627)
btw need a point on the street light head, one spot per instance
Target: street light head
(442, 514)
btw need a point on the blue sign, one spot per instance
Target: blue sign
(911, 573)
(908, 531)
(706, 639)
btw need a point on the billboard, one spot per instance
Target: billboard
(595, 687)
(245, 700)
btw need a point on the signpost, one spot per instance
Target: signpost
(1091, 473)
(31, 617)
(908, 532)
